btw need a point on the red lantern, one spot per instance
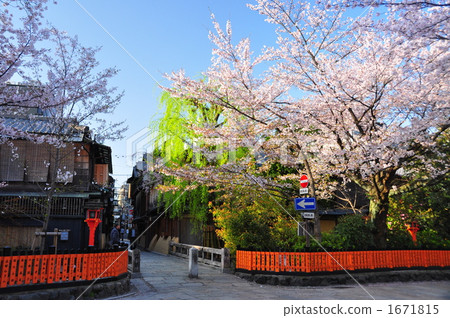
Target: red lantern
(93, 220)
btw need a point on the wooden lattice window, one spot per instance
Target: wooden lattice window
(65, 164)
(22, 160)
(37, 162)
(12, 161)
(37, 205)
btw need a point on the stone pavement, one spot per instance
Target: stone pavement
(166, 277)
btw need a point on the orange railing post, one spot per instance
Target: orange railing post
(79, 267)
(91, 264)
(262, 259)
(13, 270)
(72, 267)
(105, 264)
(21, 270)
(85, 266)
(94, 262)
(51, 269)
(276, 261)
(37, 259)
(307, 257)
(6, 264)
(58, 265)
(125, 262)
(239, 260)
(253, 256)
(29, 269)
(247, 260)
(113, 261)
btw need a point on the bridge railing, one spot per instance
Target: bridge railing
(218, 257)
(307, 262)
(17, 270)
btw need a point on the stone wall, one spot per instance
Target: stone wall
(100, 290)
(345, 279)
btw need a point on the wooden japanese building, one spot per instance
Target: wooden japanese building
(27, 165)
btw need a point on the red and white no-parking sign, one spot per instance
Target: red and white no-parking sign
(304, 181)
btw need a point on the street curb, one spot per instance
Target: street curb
(346, 279)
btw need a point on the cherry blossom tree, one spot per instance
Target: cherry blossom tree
(59, 76)
(20, 31)
(351, 96)
(19, 34)
(56, 72)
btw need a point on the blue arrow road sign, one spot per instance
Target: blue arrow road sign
(305, 203)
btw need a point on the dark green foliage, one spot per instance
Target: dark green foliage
(331, 242)
(253, 220)
(399, 240)
(250, 232)
(430, 239)
(276, 169)
(356, 233)
(425, 200)
(351, 234)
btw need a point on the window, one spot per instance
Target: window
(12, 161)
(22, 160)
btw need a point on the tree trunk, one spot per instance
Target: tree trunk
(51, 191)
(379, 204)
(379, 210)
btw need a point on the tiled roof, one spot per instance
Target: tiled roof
(43, 126)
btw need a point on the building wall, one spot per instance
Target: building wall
(188, 234)
(14, 236)
(78, 234)
(24, 236)
(327, 225)
(101, 174)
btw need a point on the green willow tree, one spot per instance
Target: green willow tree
(176, 144)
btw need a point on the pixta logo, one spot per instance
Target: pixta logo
(139, 146)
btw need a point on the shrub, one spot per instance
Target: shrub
(331, 242)
(252, 220)
(355, 233)
(399, 240)
(431, 239)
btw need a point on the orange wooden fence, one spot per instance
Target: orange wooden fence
(286, 262)
(48, 269)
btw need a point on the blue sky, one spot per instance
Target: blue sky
(161, 36)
